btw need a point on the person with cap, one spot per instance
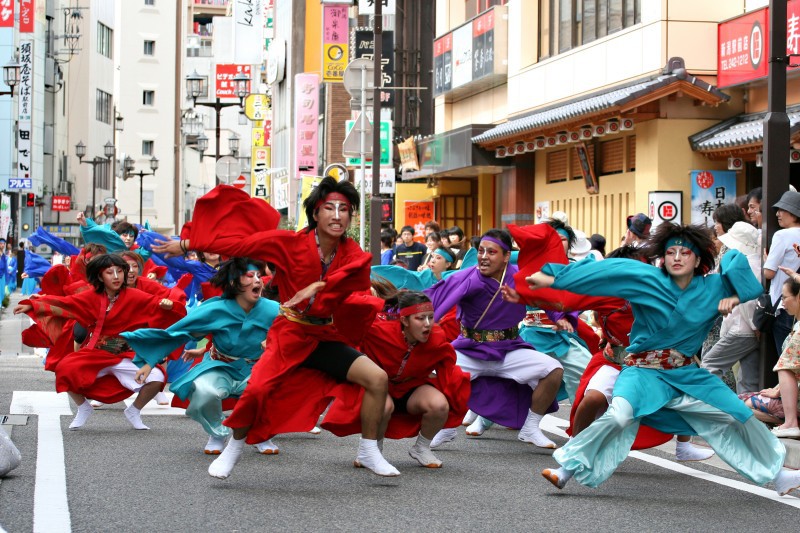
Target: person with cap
(782, 253)
(581, 248)
(638, 229)
(673, 307)
(738, 341)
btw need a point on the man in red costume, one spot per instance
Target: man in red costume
(323, 278)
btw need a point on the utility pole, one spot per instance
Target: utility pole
(375, 201)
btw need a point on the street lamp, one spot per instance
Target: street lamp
(129, 173)
(108, 151)
(196, 86)
(233, 144)
(10, 76)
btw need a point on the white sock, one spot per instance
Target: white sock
(134, 416)
(532, 419)
(223, 465)
(563, 473)
(370, 457)
(422, 442)
(83, 413)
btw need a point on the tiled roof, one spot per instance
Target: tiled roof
(741, 130)
(589, 105)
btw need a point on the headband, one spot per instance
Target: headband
(564, 233)
(498, 242)
(444, 254)
(333, 197)
(252, 267)
(424, 307)
(681, 241)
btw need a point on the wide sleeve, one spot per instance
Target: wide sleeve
(350, 275)
(104, 235)
(631, 280)
(448, 293)
(738, 278)
(82, 307)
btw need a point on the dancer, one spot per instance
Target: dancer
(323, 277)
(427, 390)
(516, 385)
(674, 306)
(239, 321)
(102, 368)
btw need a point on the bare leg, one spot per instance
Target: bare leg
(593, 405)
(376, 390)
(788, 388)
(432, 405)
(545, 392)
(147, 393)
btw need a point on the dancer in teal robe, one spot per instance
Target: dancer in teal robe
(238, 321)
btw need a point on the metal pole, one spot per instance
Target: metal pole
(218, 109)
(363, 153)
(94, 186)
(141, 193)
(776, 154)
(375, 201)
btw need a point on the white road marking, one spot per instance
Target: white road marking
(50, 505)
(553, 425)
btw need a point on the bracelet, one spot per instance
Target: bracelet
(183, 247)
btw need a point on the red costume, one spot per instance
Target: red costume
(386, 344)
(133, 309)
(281, 396)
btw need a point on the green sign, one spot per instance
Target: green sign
(386, 144)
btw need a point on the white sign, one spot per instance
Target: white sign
(280, 190)
(367, 7)
(665, 206)
(248, 31)
(25, 110)
(5, 215)
(387, 180)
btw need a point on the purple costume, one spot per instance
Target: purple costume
(500, 400)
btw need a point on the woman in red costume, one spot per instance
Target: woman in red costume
(323, 278)
(103, 367)
(427, 390)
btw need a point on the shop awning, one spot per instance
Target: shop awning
(740, 135)
(619, 102)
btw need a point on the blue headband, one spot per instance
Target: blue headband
(444, 254)
(681, 241)
(564, 233)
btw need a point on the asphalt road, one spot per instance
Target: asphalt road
(119, 479)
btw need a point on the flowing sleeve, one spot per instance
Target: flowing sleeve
(403, 278)
(81, 307)
(104, 235)
(448, 292)
(738, 277)
(350, 275)
(634, 281)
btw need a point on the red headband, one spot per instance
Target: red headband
(424, 307)
(333, 197)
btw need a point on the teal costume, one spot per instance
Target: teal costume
(109, 238)
(684, 400)
(236, 335)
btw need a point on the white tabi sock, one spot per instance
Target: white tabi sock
(85, 410)
(134, 416)
(787, 481)
(369, 456)
(686, 451)
(421, 451)
(531, 433)
(223, 465)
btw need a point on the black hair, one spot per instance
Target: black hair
(122, 227)
(434, 235)
(455, 230)
(400, 263)
(133, 255)
(96, 266)
(698, 235)
(325, 187)
(794, 286)
(727, 215)
(557, 225)
(228, 276)
(409, 298)
(408, 229)
(386, 239)
(475, 241)
(501, 235)
(754, 193)
(628, 251)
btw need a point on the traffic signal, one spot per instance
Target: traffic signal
(30, 200)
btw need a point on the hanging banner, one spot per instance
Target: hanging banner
(307, 184)
(259, 168)
(249, 21)
(6, 13)
(711, 189)
(5, 215)
(26, 16)
(25, 110)
(365, 47)
(417, 214)
(409, 162)
(367, 7)
(335, 36)
(306, 116)
(280, 192)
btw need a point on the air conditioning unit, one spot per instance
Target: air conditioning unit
(735, 163)
(626, 124)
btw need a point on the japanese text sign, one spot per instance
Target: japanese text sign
(26, 16)
(306, 116)
(60, 203)
(6, 13)
(417, 214)
(711, 189)
(335, 38)
(24, 124)
(224, 85)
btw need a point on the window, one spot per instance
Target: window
(148, 98)
(104, 175)
(556, 166)
(149, 48)
(103, 112)
(565, 24)
(149, 2)
(611, 156)
(105, 40)
(475, 7)
(147, 147)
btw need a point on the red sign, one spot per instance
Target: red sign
(224, 85)
(26, 16)
(743, 45)
(60, 203)
(417, 214)
(6, 13)
(240, 182)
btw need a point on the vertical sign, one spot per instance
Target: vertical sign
(6, 13)
(443, 64)
(281, 192)
(25, 110)
(259, 181)
(224, 86)
(462, 55)
(5, 215)
(249, 19)
(711, 189)
(365, 48)
(665, 206)
(26, 16)
(417, 214)
(335, 37)
(483, 45)
(367, 7)
(307, 184)
(306, 116)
